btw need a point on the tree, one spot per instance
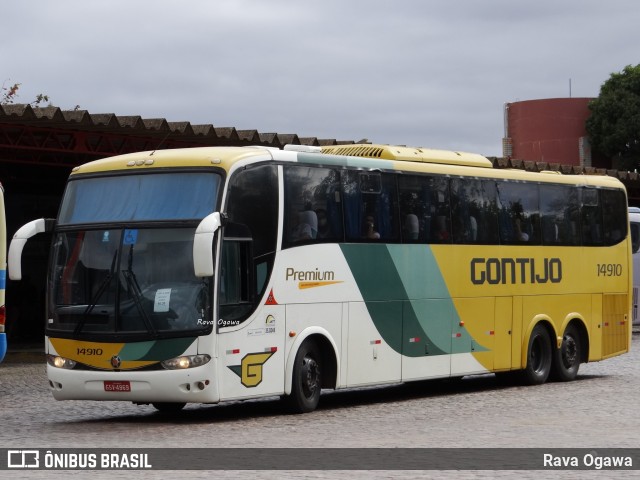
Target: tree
(614, 124)
(10, 94)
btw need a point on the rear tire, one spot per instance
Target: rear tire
(539, 357)
(566, 359)
(168, 407)
(307, 379)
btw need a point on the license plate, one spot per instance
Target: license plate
(115, 386)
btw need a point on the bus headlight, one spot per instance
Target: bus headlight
(60, 362)
(186, 361)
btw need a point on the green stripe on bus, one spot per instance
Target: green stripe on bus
(135, 350)
(156, 350)
(407, 298)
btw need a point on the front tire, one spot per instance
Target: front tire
(566, 359)
(307, 379)
(539, 357)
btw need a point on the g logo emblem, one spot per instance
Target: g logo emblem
(250, 369)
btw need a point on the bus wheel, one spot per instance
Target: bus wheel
(566, 359)
(168, 407)
(539, 357)
(307, 379)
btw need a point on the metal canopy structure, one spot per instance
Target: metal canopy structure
(62, 138)
(66, 138)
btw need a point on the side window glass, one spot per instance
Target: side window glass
(253, 202)
(614, 203)
(370, 206)
(518, 216)
(559, 215)
(313, 202)
(440, 222)
(473, 211)
(591, 217)
(424, 209)
(414, 208)
(236, 296)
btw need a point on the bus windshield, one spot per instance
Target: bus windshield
(127, 282)
(122, 259)
(144, 197)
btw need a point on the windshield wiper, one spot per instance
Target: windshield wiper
(133, 288)
(94, 300)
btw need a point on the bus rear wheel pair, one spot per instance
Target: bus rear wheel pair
(544, 361)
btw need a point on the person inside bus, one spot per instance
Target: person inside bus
(520, 235)
(411, 226)
(370, 232)
(324, 229)
(305, 225)
(442, 232)
(473, 229)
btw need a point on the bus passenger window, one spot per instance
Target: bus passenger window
(314, 207)
(591, 217)
(424, 209)
(370, 206)
(441, 210)
(464, 223)
(559, 215)
(614, 203)
(519, 218)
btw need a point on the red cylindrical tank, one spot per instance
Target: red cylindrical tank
(547, 130)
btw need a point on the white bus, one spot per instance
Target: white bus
(210, 274)
(634, 223)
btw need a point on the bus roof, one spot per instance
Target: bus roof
(360, 156)
(222, 157)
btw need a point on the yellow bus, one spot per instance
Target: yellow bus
(211, 274)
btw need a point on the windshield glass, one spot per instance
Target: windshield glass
(150, 196)
(126, 281)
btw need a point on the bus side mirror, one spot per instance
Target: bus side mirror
(19, 240)
(203, 244)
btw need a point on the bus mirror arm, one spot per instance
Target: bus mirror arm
(203, 244)
(19, 240)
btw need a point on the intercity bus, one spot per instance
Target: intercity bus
(3, 275)
(211, 274)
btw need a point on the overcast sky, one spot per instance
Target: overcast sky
(433, 73)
